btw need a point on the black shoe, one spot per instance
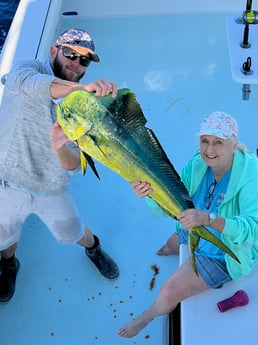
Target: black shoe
(105, 264)
(8, 273)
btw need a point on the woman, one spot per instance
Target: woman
(222, 181)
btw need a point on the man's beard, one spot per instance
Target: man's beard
(60, 72)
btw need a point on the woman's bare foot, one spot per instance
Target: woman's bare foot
(171, 247)
(166, 251)
(132, 328)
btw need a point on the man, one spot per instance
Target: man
(36, 157)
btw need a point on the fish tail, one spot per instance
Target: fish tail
(208, 236)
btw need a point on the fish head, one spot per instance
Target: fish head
(72, 116)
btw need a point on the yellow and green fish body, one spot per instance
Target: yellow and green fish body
(112, 131)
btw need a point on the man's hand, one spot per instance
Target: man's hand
(57, 137)
(102, 87)
(68, 157)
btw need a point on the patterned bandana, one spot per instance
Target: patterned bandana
(220, 125)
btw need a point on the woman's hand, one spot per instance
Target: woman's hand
(192, 217)
(141, 189)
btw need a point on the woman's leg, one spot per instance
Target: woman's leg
(179, 286)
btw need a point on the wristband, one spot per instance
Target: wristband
(212, 217)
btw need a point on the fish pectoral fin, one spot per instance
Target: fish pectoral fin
(96, 144)
(90, 141)
(85, 158)
(83, 162)
(208, 236)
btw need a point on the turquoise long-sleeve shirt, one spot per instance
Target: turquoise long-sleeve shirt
(239, 208)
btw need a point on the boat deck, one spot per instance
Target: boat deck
(62, 299)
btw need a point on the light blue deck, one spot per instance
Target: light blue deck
(179, 69)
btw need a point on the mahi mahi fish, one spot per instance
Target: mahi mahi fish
(113, 132)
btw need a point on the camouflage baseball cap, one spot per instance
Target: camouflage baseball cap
(80, 41)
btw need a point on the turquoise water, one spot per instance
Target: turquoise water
(7, 11)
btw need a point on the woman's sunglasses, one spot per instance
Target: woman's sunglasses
(72, 55)
(209, 198)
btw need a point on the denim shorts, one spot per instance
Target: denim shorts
(213, 271)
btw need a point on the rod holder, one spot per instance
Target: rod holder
(245, 43)
(249, 17)
(246, 90)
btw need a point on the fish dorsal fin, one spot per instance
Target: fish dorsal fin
(158, 158)
(125, 109)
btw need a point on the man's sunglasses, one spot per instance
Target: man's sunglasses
(72, 55)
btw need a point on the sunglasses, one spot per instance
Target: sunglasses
(209, 198)
(72, 55)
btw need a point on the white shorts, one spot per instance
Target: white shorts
(57, 212)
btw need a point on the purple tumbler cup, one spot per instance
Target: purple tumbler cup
(239, 299)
